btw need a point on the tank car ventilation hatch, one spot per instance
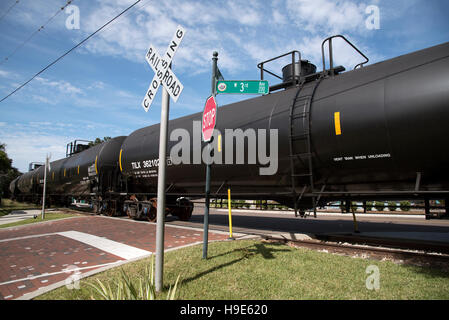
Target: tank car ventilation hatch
(303, 70)
(76, 147)
(34, 165)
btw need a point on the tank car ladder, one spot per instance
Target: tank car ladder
(300, 110)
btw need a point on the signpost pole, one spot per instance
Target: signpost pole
(171, 87)
(161, 191)
(45, 187)
(206, 208)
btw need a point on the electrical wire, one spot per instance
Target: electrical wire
(34, 33)
(70, 50)
(9, 9)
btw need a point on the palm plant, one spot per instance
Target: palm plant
(126, 290)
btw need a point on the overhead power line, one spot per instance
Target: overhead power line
(9, 9)
(70, 50)
(34, 33)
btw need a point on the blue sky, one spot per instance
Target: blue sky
(97, 90)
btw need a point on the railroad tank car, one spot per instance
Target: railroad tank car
(13, 188)
(376, 132)
(88, 175)
(28, 186)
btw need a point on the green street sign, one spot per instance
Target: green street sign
(243, 86)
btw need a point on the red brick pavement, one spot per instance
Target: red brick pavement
(44, 258)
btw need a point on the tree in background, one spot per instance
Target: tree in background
(7, 172)
(98, 141)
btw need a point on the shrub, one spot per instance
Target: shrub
(404, 205)
(369, 205)
(126, 290)
(392, 206)
(379, 205)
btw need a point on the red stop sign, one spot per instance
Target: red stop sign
(209, 118)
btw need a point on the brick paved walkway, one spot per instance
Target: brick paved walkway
(38, 255)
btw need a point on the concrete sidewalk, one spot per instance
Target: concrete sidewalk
(19, 215)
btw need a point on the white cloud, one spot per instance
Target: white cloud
(42, 99)
(28, 146)
(30, 141)
(61, 85)
(327, 16)
(4, 74)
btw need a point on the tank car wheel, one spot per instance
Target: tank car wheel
(131, 212)
(152, 214)
(110, 212)
(185, 210)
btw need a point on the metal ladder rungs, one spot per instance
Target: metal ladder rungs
(302, 175)
(299, 136)
(299, 115)
(303, 98)
(301, 155)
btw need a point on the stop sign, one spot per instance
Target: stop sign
(209, 118)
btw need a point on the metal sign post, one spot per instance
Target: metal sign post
(47, 158)
(206, 209)
(160, 224)
(172, 87)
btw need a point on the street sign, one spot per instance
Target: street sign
(163, 73)
(243, 86)
(209, 118)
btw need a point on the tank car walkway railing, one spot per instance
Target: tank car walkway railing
(295, 77)
(332, 70)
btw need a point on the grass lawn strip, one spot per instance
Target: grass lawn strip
(252, 269)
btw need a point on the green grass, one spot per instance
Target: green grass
(48, 217)
(8, 205)
(260, 270)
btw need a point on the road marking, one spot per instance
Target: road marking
(113, 247)
(59, 272)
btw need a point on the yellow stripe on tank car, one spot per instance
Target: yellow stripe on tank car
(96, 159)
(337, 123)
(64, 172)
(78, 170)
(120, 160)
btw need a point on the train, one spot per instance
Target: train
(378, 131)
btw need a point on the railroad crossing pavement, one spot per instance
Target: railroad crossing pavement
(39, 257)
(19, 215)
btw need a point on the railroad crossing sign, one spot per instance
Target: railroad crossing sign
(209, 118)
(163, 73)
(243, 86)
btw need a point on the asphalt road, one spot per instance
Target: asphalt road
(260, 222)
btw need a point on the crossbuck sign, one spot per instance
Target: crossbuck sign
(163, 73)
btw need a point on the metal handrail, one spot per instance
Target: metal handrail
(261, 64)
(331, 62)
(72, 147)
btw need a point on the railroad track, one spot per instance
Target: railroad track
(431, 257)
